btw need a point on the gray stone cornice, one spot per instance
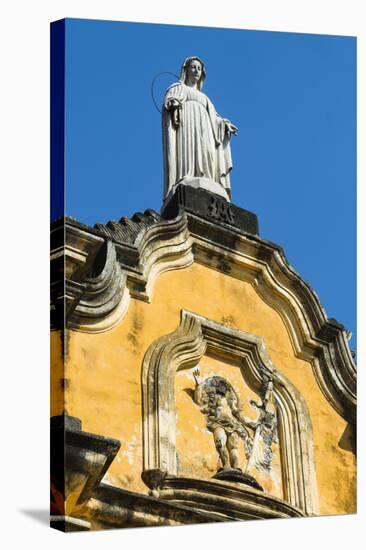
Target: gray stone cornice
(237, 501)
(103, 272)
(184, 500)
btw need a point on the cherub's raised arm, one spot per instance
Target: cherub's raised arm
(198, 389)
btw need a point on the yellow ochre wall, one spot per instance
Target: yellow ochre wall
(103, 377)
(57, 372)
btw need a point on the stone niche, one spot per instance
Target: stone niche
(196, 453)
(179, 450)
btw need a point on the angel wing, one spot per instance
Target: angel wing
(265, 434)
(261, 456)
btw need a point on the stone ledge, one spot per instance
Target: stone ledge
(68, 524)
(115, 507)
(233, 501)
(79, 461)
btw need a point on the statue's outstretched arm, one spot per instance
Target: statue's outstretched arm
(198, 389)
(230, 128)
(247, 422)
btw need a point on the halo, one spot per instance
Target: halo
(152, 86)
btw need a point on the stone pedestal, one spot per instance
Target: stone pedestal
(231, 499)
(237, 476)
(200, 183)
(209, 206)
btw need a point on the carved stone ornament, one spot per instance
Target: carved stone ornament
(220, 210)
(220, 403)
(222, 407)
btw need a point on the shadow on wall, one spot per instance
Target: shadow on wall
(348, 440)
(189, 392)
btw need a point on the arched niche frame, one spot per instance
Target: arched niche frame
(184, 348)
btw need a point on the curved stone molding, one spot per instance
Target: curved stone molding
(315, 338)
(158, 245)
(165, 246)
(103, 299)
(291, 405)
(235, 502)
(183, 349)
(99, 302)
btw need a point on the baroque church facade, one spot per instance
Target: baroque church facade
(195, 376)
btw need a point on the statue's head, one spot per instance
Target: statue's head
(191, 62)
(221, 387)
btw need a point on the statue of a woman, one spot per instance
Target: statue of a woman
(196, 140)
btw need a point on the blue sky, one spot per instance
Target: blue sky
(292, 97)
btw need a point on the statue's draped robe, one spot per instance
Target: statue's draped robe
(200, 146)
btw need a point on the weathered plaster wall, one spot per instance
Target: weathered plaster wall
(103, 373)
(57, 381)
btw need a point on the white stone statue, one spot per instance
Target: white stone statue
(196, 140)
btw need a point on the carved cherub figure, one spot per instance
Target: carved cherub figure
(221, 405)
